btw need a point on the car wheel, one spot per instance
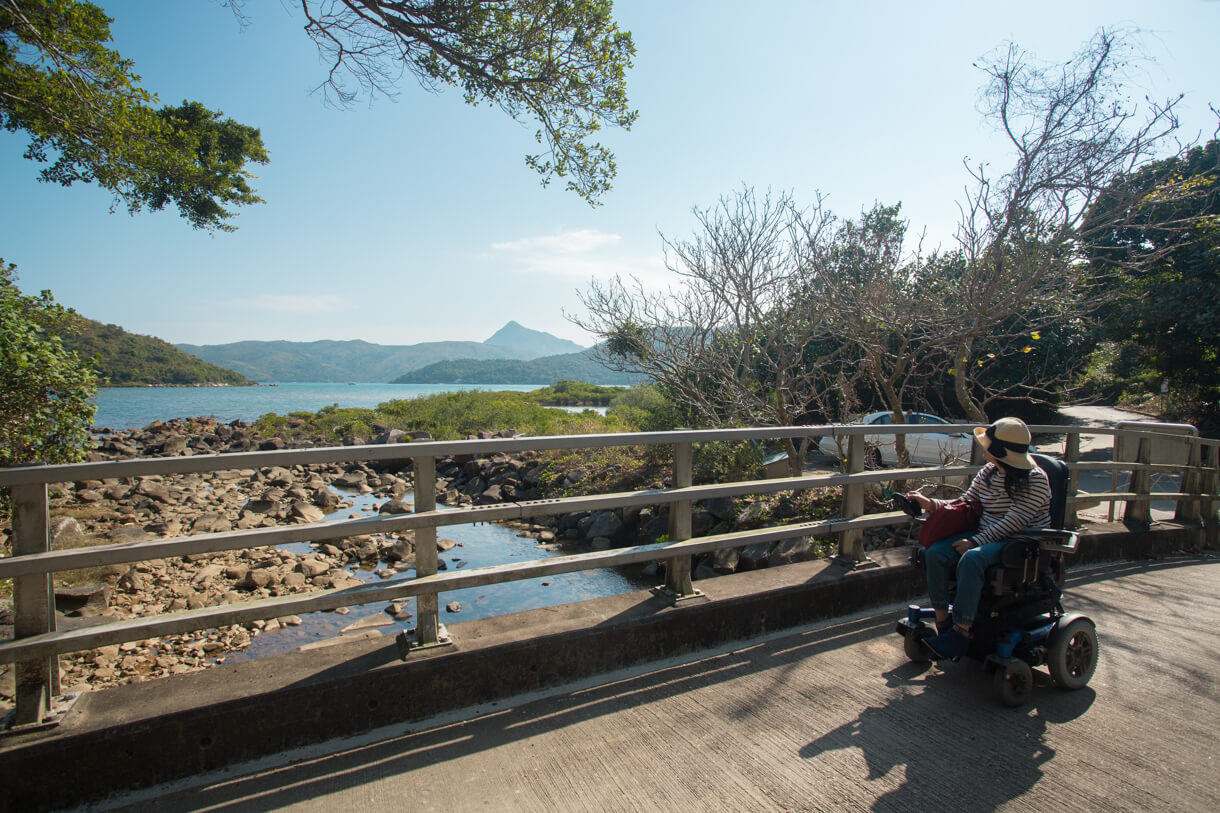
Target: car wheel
(872, 458)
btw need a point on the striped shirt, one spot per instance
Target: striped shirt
(1003, 516)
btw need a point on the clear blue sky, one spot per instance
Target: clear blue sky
(417, 220)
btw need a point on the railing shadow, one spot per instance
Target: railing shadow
(302, 775)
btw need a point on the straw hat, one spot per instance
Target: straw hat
(1008, 441)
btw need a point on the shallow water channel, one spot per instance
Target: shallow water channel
(478, 545)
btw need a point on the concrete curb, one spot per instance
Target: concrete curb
(147, 733)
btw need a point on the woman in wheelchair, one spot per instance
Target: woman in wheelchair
(1015, 494)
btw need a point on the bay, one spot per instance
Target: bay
(134, 407)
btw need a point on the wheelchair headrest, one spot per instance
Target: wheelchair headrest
(1057, 474)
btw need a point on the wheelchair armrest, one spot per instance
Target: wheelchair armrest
(1052, 539)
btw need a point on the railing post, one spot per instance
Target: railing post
(33, 605)
(1210, 485)
(1140, 483)
(678, 586)
(1190, 510)
(1071, 456)
(429, 632)
(851, 542)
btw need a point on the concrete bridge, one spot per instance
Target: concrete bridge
(712, 730)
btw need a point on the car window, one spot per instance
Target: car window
(925, 418)
(882, 419)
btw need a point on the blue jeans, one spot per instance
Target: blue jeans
(939, 561)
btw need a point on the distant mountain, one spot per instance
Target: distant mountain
(544, 371)
(534, 343)
(127, 359)
(364, 361)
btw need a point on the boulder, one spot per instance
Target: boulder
(153, 490)
(306, 512)
(394, 507)
(84, 600)
(65, 532)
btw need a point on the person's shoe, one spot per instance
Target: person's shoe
(906, 505)
(944, 626)
(949, 645)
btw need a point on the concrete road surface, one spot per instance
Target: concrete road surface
(830, 717)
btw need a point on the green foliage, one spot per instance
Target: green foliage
(1167, 255)
(572, 366)
(45, 389)
(448, 416)
(575, 393)
(89, 118)
(646, 408)
(124, 359)
(562, 64)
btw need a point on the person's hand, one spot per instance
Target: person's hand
(920, 500)
(963, 545)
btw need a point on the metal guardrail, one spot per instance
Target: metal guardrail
(37, 644)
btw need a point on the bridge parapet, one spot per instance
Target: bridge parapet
(37, 644)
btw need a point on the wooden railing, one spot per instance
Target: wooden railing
(36, 644)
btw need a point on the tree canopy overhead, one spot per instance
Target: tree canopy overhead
(562, 63)
(92, 122)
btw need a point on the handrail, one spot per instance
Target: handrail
(37, 644)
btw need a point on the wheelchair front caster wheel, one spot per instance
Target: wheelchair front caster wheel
(1071, 653)
(912, 644)
(1013, 683)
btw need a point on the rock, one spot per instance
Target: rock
(278, 476)
(211, 523)
(262, 506)
(305, 512)
(272, 444)
(89, 496)
(312, 568)
(153, 490)
(65, 531)
(453, 607)
(325, 499)
(236, 572)
(394, 507)
(602, 523)
(445, 544)
(726, 560)
(290, 621)
(207, 574)
(295, 581)
(255, 579)
(352, 480)
(392, 436)
(600, 543)
(791, 550)
(398, 611)
(85, 600)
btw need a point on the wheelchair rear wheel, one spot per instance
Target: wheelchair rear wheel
(1071, 653)
(1013, 682)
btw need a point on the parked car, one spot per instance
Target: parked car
(928, 449)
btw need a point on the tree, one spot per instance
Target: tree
(1166, 249)
(45, 390)
(733, 343)
(562, 63)
(880, 309)
(88, 117)
(1022, 235)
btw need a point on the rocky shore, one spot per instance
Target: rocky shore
(134, 509)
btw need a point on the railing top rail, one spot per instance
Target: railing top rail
(72, 472)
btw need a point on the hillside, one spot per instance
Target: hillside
(364, 361)
(531, 343)
(127, 359)
(547, 370)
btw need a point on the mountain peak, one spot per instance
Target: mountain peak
(533, 343)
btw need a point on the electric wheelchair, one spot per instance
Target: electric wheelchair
(1021, 623)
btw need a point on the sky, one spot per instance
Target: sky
(416, 219)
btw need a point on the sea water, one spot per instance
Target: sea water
(133, 407)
